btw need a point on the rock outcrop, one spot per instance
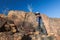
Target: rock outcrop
(19, 23)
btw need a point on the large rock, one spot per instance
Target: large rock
(26, 20)
(2, 20)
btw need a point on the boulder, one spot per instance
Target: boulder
(24, 20)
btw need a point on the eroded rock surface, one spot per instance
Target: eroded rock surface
(19, 23)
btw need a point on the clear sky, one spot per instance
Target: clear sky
(49, 7)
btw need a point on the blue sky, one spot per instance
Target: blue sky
(49, 7)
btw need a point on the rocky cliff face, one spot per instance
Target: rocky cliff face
(52, 25)
(23, 19)
(55, 26)
(25, 23)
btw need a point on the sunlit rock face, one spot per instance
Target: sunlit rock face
(23, 19)
(2, 20)
(52, 25)
(2, 15)
(26, 23)
(45, 20)
(14, 15)
(55, 25)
